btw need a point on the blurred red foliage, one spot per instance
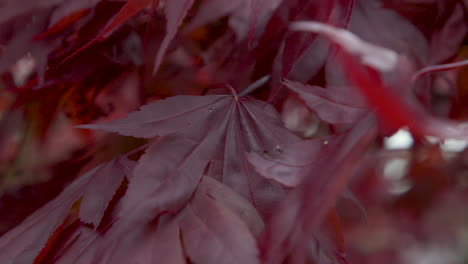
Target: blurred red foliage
(251, 131)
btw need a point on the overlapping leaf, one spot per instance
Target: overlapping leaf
(302, 56)
(334, 106)
(175, 14)
(246, 16)
(128, 10)
(215, 226)
(322, 179)
(395, 111)
(24, 243)
(296, 160)
(214, 234)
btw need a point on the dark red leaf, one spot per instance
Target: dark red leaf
(301, 56)
(332, 106)
(234, 202)
(215, 226)
(145, 243)
(303, 209)
(176, 11)
(62, 24)
(213, 229)
(99, 192)
(217, 124)
(167, 175)
(370, 21)
(165, 117)
(394, 110)
(128, 10)
(445, 41)
(295, 161)
(211, 10)
(214, 234)
(75, 246)
(24, 242)
(246, 17)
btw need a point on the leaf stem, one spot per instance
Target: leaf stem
(255, 85)
(222, 85)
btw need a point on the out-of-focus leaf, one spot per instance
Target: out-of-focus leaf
(12, 8)
(211, 10)
(62, 24)
(294, 45)
(176, 11)
(446, 40)
(334, 107)
(374, 56)
(128, 10)
(370, 21)
(20, 44)
(24, 243)
(396, 112)
(247, 17)
(215, 225)
(304, 208)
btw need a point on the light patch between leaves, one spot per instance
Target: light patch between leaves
(402, 139)
(454, 145)
(430, 255)
(395, 169)
(400, 187)
(23, 69)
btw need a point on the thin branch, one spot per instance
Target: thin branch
(438, 68)
(255, 85)
(349, 12)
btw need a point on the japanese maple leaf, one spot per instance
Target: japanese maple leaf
(333, 105)
(216, 225)
(302, 56)
(321, 169)
(370, 21)
(96, 188)
(175, 11)
(128, 10)
(197, 136)
(364, 63)
(245, 16)
(198, 133)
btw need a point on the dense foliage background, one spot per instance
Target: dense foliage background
(363, 160)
